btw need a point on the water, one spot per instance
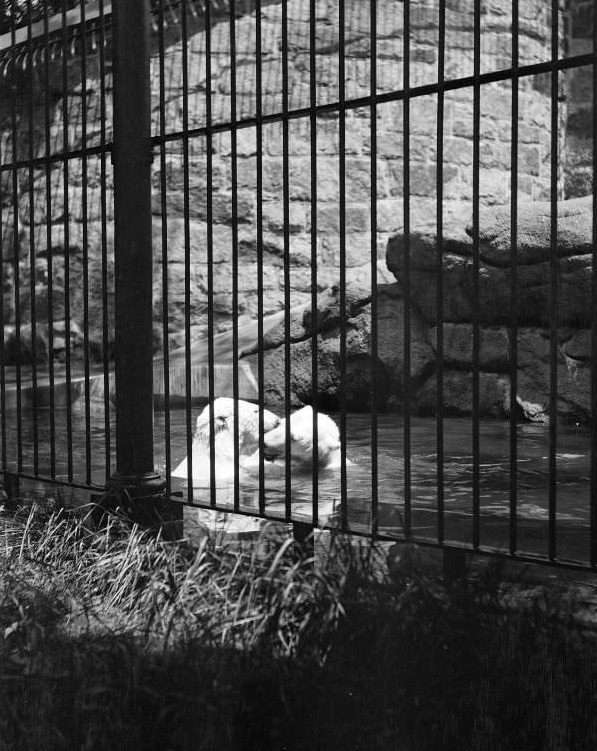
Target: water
(89, 463)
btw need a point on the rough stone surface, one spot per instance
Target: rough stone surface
(578, 169)
(19, 348)
(533, 271)
(573, 378)
(84, 179)
(457, 345)
(539, 334)
(369, 376)
(457, 394)
(81, 224)
(533, 233)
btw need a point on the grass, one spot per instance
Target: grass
(114, 638)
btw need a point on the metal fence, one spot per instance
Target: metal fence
(196, 202)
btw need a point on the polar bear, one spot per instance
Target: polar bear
(329, 455)
(223, 419)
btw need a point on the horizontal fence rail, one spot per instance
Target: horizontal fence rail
(379, 210)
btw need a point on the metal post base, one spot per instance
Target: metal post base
(455, 565)
(304, 539)
(141, 499)
(12, 491)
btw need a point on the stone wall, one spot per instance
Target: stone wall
(495, 128)
(82, 111)
(579, 132)
(75, 248)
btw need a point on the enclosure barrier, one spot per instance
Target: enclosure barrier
(194, 199)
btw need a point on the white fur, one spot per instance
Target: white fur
(301, 435)
(223, 418)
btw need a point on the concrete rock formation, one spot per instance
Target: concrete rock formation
(31, 249)
(539, 326)
(80, 212)
(381, 376)
(367, 377)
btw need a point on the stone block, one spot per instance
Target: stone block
(494, 154)
(529, 159)
(357, 218)
(458, 150)
(534, 381)
(424, 54)
(423, 178)
(390, 48)
(301, 183)
(423, 115)
(357, 249)
(389, 74)
(534, 284)
(273, 217)
(494, 345)
(390, 144)
(457, 394)
(390, 216)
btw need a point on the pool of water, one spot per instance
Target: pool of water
(86, 454)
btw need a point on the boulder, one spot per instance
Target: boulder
(21, 350)
(534, 381)
(574, 231)
(534, 310)
(494, 394)
(42, 304)
(362, 379)
(534, 267)
(457, 346)
(325, 333)
(75, 335)
(371, 374)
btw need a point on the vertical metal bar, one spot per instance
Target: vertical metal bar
(133, 245)
(187, 241)
(50, 253)
(286, 240)
(32, 260)
(593, 487)
(314, 324)
(104, 242)
(514, 284)
(210, 251)
(373, 262)
(406, 272)
(15, 228)
(164, 238)
(3, 431)
(235, 270)
(85, 239)
(304, 540)
(260, 290)
(12, 489)
(66, 256)
(3, 426)
(342, 258)
(554, 281)
(476, 267)
(440, 272)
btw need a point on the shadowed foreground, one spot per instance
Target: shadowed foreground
(113, 639)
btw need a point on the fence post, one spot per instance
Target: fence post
(132, 157)
(12, 490)
(455, 564)
(304, 538)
